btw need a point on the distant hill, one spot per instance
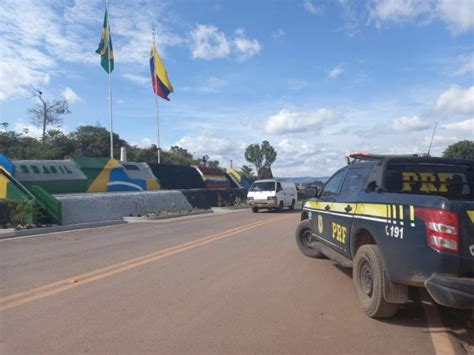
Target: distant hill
(304, 179)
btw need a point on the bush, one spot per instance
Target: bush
(22, 212)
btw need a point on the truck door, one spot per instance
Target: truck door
(321, 215)
(336, 206)
(344, 207)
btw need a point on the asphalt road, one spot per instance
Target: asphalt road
(230, 283)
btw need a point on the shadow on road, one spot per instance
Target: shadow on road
(459, 323)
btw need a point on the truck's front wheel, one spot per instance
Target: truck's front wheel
(303, 237)
(368, 283)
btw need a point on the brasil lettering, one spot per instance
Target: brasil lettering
(339, 232)
(429, 182)
(45, 169)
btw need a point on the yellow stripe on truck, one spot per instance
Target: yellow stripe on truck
(391, 213)
(372, 209)
(470, 215)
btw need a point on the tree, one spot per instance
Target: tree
(48, 112)
(94, 141)
(247, 172)
(5, 126)
(262, 156)
(178, 155)
(460, 150)
(148, 155)
(57, 145)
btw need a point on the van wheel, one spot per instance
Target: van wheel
(367, 276)
(292, 206)
(254, 209)
(303, 237)
(280, 207)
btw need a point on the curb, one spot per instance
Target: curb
(157, 218)
(7, 233)
(54, 229)
(229, 209)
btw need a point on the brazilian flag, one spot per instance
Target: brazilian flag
(105, 47)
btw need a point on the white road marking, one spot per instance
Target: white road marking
(439, 335)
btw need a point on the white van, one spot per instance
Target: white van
(271, 194)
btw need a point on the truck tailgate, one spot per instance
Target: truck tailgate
(465, 211)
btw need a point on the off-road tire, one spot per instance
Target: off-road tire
(254, 209)
(367, 277)
(300, 236)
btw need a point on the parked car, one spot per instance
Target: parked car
(271, 194)
(398, 222)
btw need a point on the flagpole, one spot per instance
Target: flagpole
(110, 86)
(157, 116)
(158, 128)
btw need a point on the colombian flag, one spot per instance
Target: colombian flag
(159, 77)
(105, 46)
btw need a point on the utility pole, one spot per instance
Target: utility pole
(45, 112)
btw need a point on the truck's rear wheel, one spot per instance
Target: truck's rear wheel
(368, 283)
(254, 209)
(303, 237)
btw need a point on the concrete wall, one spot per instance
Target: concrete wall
(97, 207)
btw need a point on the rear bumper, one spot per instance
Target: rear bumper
(451, 291)
(262, 203)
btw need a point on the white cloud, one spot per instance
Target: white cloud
(449, 133)
(440, 142)
(217, 148)
(461, 126)
(465, 65)
(16, 76)
(137, 79)
(209, 43)
(398, 10)
(70, 95)
(28, 129)
(246, 48)
(146, 142)
(36, 36)
(335, 72)
(303, 158)
(288, 121)
(456, 101)
(206, 85)
(278, 34)
(31, 130)
(459, 14)
(297, 84)
(409, 124)
(212, 84)
(311, 8)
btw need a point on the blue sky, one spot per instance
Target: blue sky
(318, 79)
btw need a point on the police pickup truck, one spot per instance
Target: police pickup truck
(398, 221)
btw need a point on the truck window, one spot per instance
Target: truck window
(332, 186)
(353, 180)
(263, 186)
(450, 181)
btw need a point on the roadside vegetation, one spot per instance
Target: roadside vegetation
(90, 141)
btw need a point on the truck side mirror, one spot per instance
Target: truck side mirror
(311, 192)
